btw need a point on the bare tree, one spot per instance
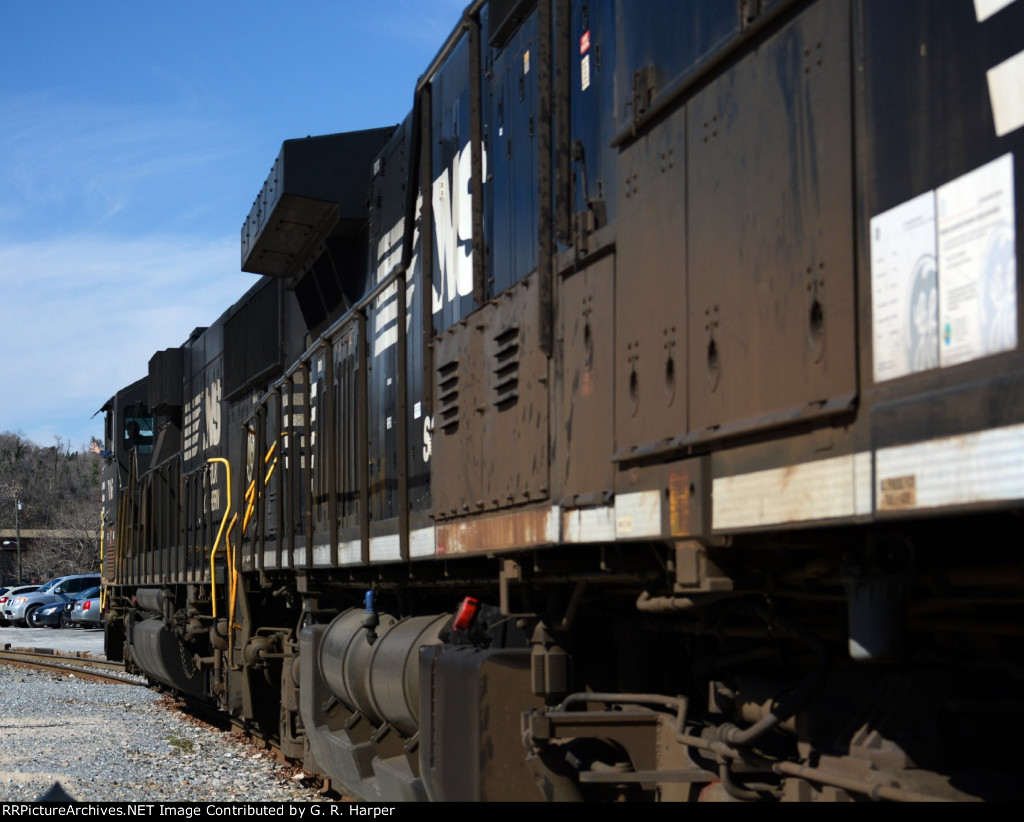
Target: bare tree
(59, 493)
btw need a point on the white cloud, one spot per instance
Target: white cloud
(119, 220)
(83, 316)
(117, 238)
(89, 165)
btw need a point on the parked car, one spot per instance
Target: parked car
(50, 616)
(21, 609)
(10, 594)
(86, 609)
(58, 614)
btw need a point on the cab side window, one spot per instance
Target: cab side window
(138, 433)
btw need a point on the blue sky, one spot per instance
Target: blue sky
(134, 137)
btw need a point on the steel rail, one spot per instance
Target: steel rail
(101, 670)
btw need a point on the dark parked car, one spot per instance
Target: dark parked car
(58, 614)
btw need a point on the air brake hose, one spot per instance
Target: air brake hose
(793, 701)
(796, 698)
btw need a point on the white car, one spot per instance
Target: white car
(8, 596)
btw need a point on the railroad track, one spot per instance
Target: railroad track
(100, 670)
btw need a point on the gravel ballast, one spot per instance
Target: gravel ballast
(118, 743)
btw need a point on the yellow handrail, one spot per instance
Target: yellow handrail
(233, 587)
(120, 538)
(267, 461)
(103, 570)
(220, 533)
(250, 506)
(232, 572)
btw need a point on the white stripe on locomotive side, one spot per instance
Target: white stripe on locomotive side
(987, 466)
(1006, 93)
(422, 542)
(589, 525)
(983, 9)
(350, 553)
(819, 490)
(638, 514)
(386, 548)
(322, 555)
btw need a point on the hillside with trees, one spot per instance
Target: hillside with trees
(59, 490)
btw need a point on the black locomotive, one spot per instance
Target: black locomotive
(643, 418)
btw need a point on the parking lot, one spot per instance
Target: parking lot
(65, 640)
